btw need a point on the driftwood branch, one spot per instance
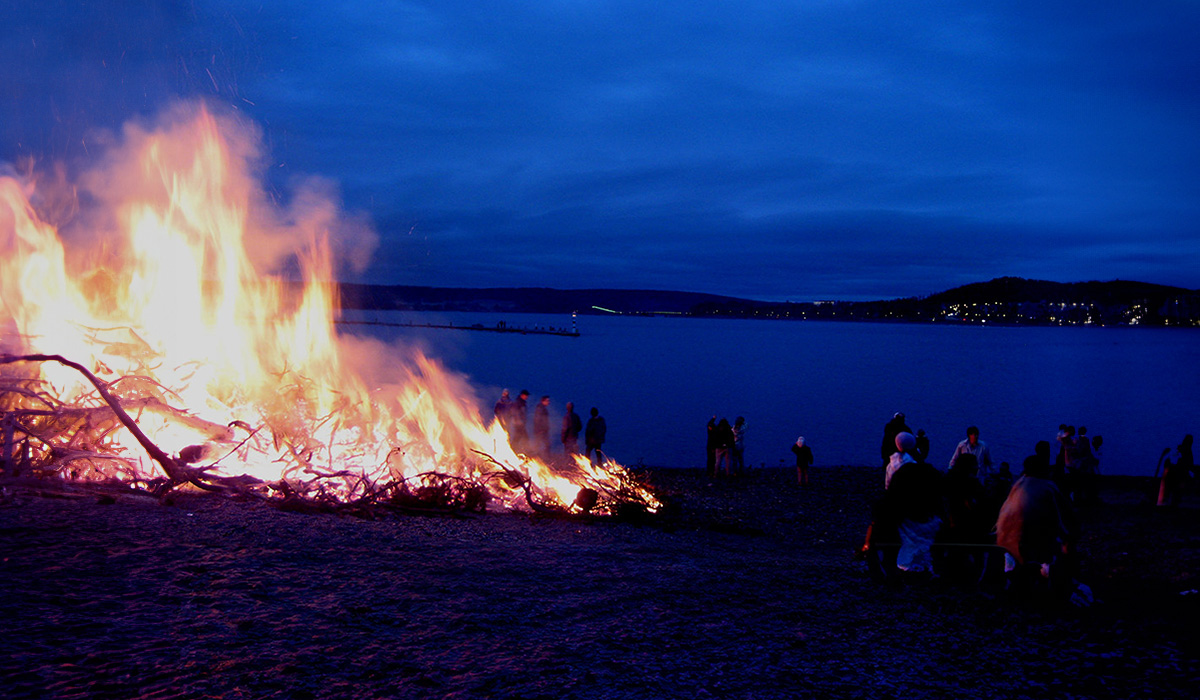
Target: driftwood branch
(73, 435)
(174, 471)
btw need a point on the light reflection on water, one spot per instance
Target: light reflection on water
(658, 380)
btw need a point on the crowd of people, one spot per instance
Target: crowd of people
(513, 415)
(975, 522)
(961, 523)
(972, 522)
(1077, 463)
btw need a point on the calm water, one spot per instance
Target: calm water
(658, 380)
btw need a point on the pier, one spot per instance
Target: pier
(501, 327)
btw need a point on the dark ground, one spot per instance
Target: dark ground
(747, 590)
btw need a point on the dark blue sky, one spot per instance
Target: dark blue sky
(781, 150)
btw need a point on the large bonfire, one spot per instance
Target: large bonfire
(157, 344)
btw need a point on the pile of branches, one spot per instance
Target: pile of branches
(44, 439)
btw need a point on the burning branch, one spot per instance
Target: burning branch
(68, 435)
(176, 473)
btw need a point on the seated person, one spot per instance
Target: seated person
(906, 447)
(967, 522)
(908, 515)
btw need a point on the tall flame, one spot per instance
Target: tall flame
(181, 306)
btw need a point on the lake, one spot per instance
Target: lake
(658, 380)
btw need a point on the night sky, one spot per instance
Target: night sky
(772, 150)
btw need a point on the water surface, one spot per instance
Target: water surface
(657, 381)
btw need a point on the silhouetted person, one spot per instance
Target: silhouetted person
(1084, 445)
(1183, 454)
(910, 513)
(1060, 459)
(916, 498)
(804, 460)
(1069, 450)
(922, 451)
(964, 500)
(501, 409)
(724, 447)
(1089, 488)
(518, 418)
(1037, 528)
(1175, 472)
(710, 449)
(1039, 460)
(739, 445)
(571, 427)
(541, 426)
(594, 437)
(967, 520)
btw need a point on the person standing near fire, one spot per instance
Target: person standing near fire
(518, 417)
(541, 426)
(571, 427)
(501, 409)
(594, 437)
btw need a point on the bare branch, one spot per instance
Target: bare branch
(173, 470)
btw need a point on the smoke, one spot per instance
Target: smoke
(93, 208)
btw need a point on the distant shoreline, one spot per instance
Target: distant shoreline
(671, 315)
(1004, 301)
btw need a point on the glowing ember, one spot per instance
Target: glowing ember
(177, 303)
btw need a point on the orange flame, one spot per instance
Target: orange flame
(183, 308)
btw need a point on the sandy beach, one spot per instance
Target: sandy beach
(745, 588)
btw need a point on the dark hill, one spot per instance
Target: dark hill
(1020, 290)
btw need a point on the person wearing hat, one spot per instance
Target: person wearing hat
(915, 493)
(908, 515)
(906, 445)
(893, 428)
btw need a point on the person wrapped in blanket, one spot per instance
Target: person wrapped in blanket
(1038, 530)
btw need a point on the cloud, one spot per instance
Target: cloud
(623, 143)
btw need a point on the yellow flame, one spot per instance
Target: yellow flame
(210, 349)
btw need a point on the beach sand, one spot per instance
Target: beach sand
(746, 588)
